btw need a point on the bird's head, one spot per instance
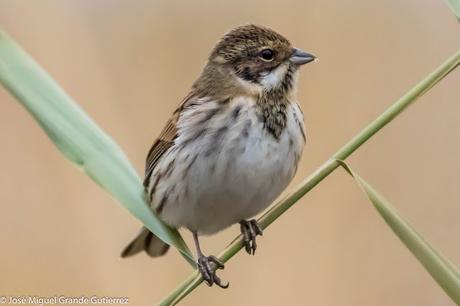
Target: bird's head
(259, 58)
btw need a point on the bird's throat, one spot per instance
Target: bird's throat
(271, 107)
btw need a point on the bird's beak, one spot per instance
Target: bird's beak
(300, 57)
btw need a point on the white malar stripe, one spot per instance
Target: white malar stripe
(274, 77)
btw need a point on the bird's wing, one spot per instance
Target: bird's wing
(164, 141)
(160, 146)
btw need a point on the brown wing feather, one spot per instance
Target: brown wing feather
(160, 146)
(164, 141)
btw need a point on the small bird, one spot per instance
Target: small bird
(231, 146)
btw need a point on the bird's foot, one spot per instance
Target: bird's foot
(207, 265)
(250, 230)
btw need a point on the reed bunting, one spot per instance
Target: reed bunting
(231, 146)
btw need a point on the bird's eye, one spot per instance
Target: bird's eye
(267, 55)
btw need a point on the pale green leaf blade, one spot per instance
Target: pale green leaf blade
(78, 137)
(441, 269)
(455, 7)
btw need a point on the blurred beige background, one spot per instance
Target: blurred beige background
(128, 63)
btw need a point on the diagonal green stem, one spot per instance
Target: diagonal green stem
(324, 170)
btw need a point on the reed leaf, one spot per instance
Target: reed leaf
(79, 138)
(455, 7)
(441, 269)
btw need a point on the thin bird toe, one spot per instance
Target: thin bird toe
(208, 272)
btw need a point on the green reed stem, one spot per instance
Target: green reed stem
(323, 171)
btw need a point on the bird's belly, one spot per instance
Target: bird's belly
(229, 179)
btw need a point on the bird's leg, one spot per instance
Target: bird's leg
(207, 265)
(250, 230)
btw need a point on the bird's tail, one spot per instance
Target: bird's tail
(148, 242)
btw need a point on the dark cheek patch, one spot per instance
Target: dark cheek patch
(248, 74)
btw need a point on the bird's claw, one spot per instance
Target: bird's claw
(207, 265)
(250, 230)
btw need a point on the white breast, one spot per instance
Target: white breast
(230, 171)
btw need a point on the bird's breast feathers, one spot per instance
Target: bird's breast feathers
(229, 160)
